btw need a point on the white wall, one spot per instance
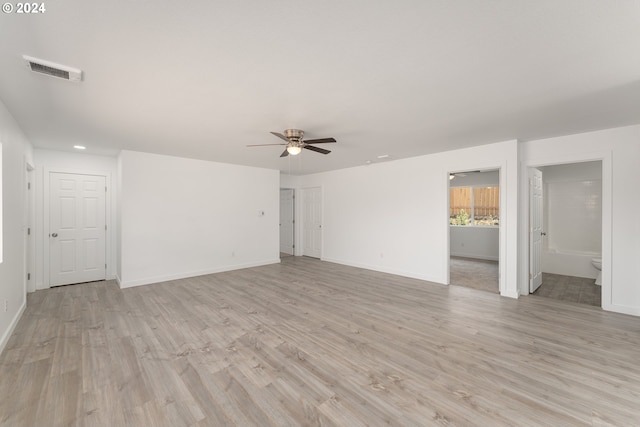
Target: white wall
(394, 216)
(619, 150)
(572, 218)
(289, 181)
(183, 217)
(475, 242)
(16, 152)
(47, 161)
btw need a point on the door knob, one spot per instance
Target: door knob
(54, 235)
(543, 234)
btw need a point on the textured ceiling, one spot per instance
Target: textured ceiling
(203, 79)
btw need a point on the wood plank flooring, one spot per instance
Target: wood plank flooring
(309, 343)
(474, 273)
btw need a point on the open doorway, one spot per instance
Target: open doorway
(287, 222)
(474, 229)
(565, 239)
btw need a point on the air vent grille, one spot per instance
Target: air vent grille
(52, 69)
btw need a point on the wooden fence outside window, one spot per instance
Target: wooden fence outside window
(484, 204)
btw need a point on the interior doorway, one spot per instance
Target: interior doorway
(287, 222)
(567, 247)
(474, 229)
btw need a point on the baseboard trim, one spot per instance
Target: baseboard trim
(622, 309)
(437, 281)
(473, 256)
(12, 326)
(184, 275)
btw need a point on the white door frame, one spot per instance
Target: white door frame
(29, 227)
(43, 237)
(607, 206)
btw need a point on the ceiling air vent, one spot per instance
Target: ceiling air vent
(52, 69)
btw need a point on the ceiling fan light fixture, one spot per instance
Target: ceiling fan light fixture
(294, 149)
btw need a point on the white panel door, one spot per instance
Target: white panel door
(77, 225)
(535, 229)
(312, 222)
(286, 221)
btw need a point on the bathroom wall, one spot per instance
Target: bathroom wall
(572, 218)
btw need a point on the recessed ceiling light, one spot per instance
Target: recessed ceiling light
(79, 147)
(383, 156)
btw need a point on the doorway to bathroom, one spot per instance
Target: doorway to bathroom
(565, 224)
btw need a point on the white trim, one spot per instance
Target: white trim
(377, 268)
(110, 273)
(607, 231)
(29, 218)
(187, 274)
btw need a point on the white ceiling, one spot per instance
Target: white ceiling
(203, 79)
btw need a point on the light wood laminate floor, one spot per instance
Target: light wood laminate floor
(309, 343)
(474, 273)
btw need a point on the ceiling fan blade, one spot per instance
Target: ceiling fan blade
(262, 145)
(319, 141)
(285, 153)
(316, 149)
(281, 136)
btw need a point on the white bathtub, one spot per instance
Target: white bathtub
(569, 263)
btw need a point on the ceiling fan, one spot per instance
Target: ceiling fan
(461, 174)
(295, 143)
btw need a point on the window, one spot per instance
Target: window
(474, 206)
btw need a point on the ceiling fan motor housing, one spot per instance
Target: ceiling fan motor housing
(294, 135)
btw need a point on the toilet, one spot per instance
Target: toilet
(597, 263)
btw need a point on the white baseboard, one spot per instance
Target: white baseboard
(12, 326)
(622, 309)
(475, 256)
(183, 275)
(438, 281)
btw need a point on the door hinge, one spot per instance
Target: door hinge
(105, 189)
(28, 186)
(105, 226)
(293, 246)
(28, 231)
(28, 276)
(105, 266)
